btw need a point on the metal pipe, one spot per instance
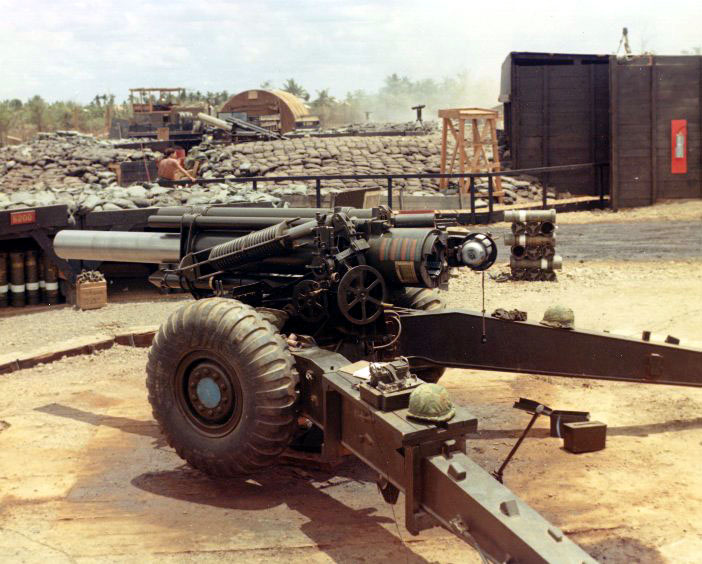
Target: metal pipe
(119, 246)
(363, 213)
(218, 222)
(414, 220)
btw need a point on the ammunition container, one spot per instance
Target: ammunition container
(4, 288)
(554, 263)
(51, 287)
(530, 215)
(584, 436)
(529, 240)
(528, 228)
(17, 286)
(31, 274)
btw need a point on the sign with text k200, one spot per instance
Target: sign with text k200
(23, 217)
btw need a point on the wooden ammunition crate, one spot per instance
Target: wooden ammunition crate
(91, 295)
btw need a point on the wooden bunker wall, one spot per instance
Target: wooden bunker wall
(565, 109)
(647, 94)
(557, 113)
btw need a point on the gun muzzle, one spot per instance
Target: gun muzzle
(118, 246)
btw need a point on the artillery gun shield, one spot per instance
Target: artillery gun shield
(221, 384)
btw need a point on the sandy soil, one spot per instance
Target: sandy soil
(85, 474)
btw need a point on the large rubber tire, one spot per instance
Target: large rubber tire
(425, 300)
(245, 414)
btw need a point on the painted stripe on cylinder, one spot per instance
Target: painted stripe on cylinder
(403, 248)
(393, 248)
(52, 286)
(17, 288)
(31, 286)
(384, 248)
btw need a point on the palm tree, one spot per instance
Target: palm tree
(323, 100)
(296, 89)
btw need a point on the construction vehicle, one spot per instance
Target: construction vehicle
(332, 317)
(158, 113)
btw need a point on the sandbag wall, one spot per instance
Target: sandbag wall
(27, 278)
(533, 245)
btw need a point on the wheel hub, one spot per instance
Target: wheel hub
(210, 393)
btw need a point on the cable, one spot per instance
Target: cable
(396, 337)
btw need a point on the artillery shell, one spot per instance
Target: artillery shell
(4, 288)
(554, 263)
(31, 273)
(17, 285)
(51, 293)
(530, 215)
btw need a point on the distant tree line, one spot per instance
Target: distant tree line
(392, 102)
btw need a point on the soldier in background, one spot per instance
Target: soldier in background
(170, 169)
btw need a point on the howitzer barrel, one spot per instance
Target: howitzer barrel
(118, 246)
(215, 121)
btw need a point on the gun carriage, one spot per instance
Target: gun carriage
(330, 318)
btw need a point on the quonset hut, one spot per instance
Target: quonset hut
(273, 109)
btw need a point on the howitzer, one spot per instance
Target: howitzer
(331, 317)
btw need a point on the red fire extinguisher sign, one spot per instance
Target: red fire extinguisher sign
(679, 146)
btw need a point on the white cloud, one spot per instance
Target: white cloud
(75, 49)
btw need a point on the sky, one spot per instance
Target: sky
(74, 50)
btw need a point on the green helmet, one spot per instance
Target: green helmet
(559, 316)
(430, 402)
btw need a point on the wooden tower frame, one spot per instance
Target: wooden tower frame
(483, 124)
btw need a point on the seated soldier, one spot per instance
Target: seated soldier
(170, 169)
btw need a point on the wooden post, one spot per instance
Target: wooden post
(443, 182)
(461, 145)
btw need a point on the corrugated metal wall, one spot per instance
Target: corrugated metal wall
(647, 94)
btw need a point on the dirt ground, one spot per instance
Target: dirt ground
(85, 474)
